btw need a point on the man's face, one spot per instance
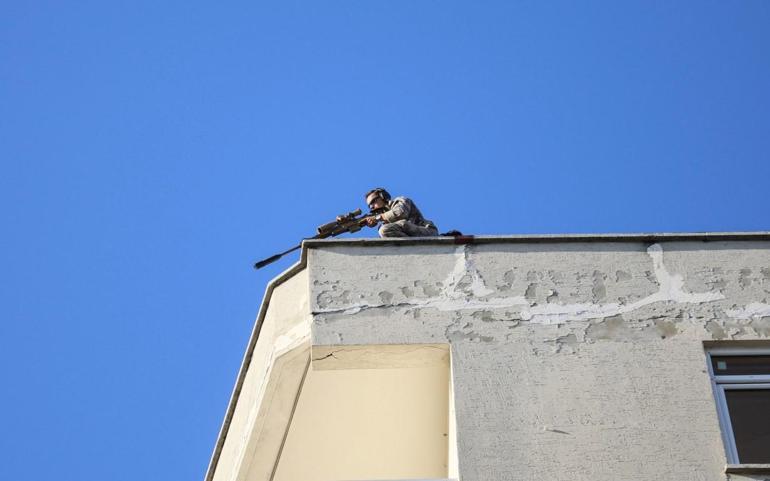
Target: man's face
(374, 201)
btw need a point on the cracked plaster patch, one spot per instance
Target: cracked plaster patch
(459, 291)
(755, 310)
(465, 289)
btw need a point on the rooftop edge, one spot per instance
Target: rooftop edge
(542, 238)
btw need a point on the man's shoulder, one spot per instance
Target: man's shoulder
(401, 198)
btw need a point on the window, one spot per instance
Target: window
(741, 379)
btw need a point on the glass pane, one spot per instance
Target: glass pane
(740, 365)
(750, 416)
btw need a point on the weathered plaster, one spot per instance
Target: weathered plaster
(570, 361)
(651, 302)
(463, 289)
(572, 357)
(755, 310)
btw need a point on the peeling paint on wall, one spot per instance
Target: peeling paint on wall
(670, 289)
(465, 289)
(754, 310)
(569, 353)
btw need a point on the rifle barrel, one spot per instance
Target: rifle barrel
(348, 223)
(271, 259)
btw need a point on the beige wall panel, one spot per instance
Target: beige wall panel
(366, 424)
(286, 326)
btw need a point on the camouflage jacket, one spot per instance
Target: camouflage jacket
(402, 208)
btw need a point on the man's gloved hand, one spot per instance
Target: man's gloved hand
(373, 220)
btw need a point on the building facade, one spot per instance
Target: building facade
(590, 357)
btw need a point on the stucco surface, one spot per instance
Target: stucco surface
(273, 373)
(570, 360)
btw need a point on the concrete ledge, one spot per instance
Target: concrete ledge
(546, 238)
(747, 469)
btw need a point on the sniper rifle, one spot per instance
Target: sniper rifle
(350, 222)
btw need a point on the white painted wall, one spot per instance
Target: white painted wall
(271, 382)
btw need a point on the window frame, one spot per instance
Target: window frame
(721, 383)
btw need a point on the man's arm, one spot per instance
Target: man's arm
(398, 211)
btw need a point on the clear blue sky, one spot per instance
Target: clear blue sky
(152, 151)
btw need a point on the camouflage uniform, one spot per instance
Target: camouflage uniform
(404, 219)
